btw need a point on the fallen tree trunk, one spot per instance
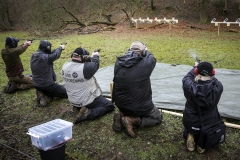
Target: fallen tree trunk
(234, 30)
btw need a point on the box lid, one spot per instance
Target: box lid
(49, 127)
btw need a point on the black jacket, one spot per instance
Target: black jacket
(132, 91)
(42, 67)
(205, 94)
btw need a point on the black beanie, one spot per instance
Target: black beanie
(81, 51)
(10, 41)
(205, 69)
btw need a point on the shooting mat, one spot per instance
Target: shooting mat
(167, 90)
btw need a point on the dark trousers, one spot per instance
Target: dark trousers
(99, 107)
(152, 119)
(54, 90)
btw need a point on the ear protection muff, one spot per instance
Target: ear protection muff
(48, 47)
(213, 71)
(85, 56)
(196, 72)
(143, 52)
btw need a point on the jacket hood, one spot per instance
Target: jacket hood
(206, 93)
(129, 59)
(45, 46)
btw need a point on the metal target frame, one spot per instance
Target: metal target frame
(224, 22)
(156, 21)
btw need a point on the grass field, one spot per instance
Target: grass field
(95, 140)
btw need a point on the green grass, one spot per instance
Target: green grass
(95, 139)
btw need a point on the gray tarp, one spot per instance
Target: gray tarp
(167, 90)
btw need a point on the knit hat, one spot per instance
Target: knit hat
(137, 46)
(80, 51)
(205, 69)
(10, 41)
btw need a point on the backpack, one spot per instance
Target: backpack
(212, 135)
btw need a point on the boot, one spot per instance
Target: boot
(75, 110)
(11, 87)
(7, 87)
(129, 123)
(117, 125)
(190, 142)
(41, 98)
(82, 115)
(200, 150)
(48, 98)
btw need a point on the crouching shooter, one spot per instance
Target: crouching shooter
(83, 91)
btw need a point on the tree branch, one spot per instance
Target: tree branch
(74, 17)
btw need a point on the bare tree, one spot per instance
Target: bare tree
(224, 10)
(152, 5)
(94, 17)
(203, 12)
(55, 15)
(9, 14)
(130, 7)
(222, 6)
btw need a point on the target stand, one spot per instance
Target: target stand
(224, 22)
(146, 23)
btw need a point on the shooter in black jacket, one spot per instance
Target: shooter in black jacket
(132, 92)
(201, 89)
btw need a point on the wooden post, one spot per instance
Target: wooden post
(111, 88)
(181, 115)
(218, 28)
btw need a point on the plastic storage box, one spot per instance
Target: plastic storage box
(50, 134)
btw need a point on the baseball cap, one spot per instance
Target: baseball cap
(205, 69)
(137, 45)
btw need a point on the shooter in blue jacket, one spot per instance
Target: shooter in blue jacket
(43, 74)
